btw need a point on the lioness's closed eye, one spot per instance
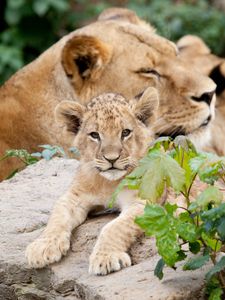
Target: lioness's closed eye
(111, 135)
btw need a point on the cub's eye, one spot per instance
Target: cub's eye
(149, 71)
(125, 133)
(95, 135)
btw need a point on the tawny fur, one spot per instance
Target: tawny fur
(118, 53)
(124, 135)
(195, 52)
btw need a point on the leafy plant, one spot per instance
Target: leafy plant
(49, 152)
(200, 227)
(21, 154)
(28, 159)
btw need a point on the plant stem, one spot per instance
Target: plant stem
(181, 207)
(193, 179)
(220, 275)
(187, 198)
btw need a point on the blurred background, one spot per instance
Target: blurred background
(28, 27)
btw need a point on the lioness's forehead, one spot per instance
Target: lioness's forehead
(120, 34)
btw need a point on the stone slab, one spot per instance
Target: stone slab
(25, 204)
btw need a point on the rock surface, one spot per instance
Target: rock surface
(25, 204)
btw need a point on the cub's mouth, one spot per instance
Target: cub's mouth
(113, 173)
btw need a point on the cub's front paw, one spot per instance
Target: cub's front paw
(104, 263)
(46, 250)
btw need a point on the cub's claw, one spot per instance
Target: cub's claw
(105, 263)
(46, 250)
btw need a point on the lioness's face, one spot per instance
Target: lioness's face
(195, 52)
(110, 133)
(110, 56)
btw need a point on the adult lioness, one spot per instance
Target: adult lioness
(196, 52)
(112, 135)
(118, 53)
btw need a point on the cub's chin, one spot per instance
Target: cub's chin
(113, 174)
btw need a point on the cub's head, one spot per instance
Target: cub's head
(111, 133)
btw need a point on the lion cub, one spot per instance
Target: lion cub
(111, 134)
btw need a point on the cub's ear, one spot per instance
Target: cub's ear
(218, 76)
(84, 58)
(147, 105)
(70, 114)
(192, 43)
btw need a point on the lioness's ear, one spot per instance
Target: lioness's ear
(123, 14)
(192, 43)
(147, 105)
(218, 76)
(69, 114)
(120, 14)
(84, 58)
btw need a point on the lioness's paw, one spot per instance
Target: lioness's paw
(46, 250)
(104, 263)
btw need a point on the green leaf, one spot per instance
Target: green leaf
(219, 266)
(216, 294)
(210, 195)
(196, 262)
(168, 247)
(36, 154)
(154, 211)
(154, 221)
(170, 208)
(208, 166)
(214, 213)
(161, 141)
(158, 170)
(151, 226)
(187, 231)
(202, 160)
(185, 217)
(47, 146)
(48, 154)
(142, 168)
(213, 288)
(12, 17)
(15, 4)
(75, 151)
(21, 154)
(152, 184)
(213, 243)
(60, 5)
(221, 228)
(194, 247)
(183, 142)
(41, 7)
(181, 255)
(159, 269)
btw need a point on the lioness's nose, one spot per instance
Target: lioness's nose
(111, 158)
(205, 97)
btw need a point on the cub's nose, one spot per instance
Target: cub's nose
(111, 158)
(205, 97)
